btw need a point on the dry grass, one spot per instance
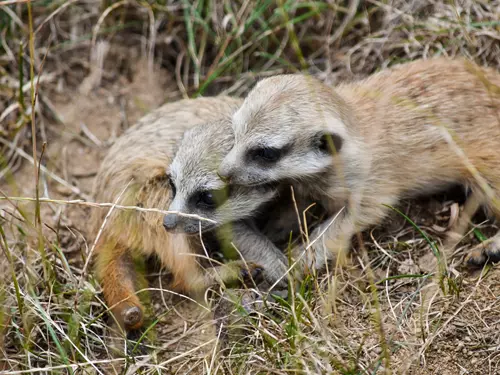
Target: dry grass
(83, 60)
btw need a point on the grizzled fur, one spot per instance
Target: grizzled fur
(411, 129)
(194, 172)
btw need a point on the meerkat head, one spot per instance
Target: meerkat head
(289, 127)
(198, 190)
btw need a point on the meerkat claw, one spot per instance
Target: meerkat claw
(254, 274)
(493, 255)
(484, 253)
(476, 259)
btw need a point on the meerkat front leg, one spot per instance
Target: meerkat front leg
(328, 241)
(255, 247)
(486, 252)
(232, 273)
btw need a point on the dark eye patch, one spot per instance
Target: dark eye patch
(266, 154)
(211, 199)
(329, 143)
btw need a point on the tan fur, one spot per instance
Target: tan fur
(408, 130)
(135, 170)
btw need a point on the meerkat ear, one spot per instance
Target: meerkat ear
(330, 143)
(151, 175)
(150, 168)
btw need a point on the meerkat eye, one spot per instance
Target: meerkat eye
(267, 154)
(206, 198)
(212, 198)
(172, 185)
(329, 143)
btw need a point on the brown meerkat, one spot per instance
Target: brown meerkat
(200, 191)
(133, 173)
(411, 129)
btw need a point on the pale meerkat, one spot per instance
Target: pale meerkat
(133, 173)
(408, 130)
(199, 190)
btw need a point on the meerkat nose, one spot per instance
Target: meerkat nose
(170, 221)
(224, 177)
(224, 173)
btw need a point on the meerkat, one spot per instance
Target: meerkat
(361, 147)
(133, 173)
(199, 190)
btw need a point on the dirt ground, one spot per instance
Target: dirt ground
(461, 333)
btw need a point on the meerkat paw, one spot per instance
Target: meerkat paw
(486, 252)
(237, 272)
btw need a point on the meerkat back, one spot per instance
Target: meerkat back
(442, 113)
